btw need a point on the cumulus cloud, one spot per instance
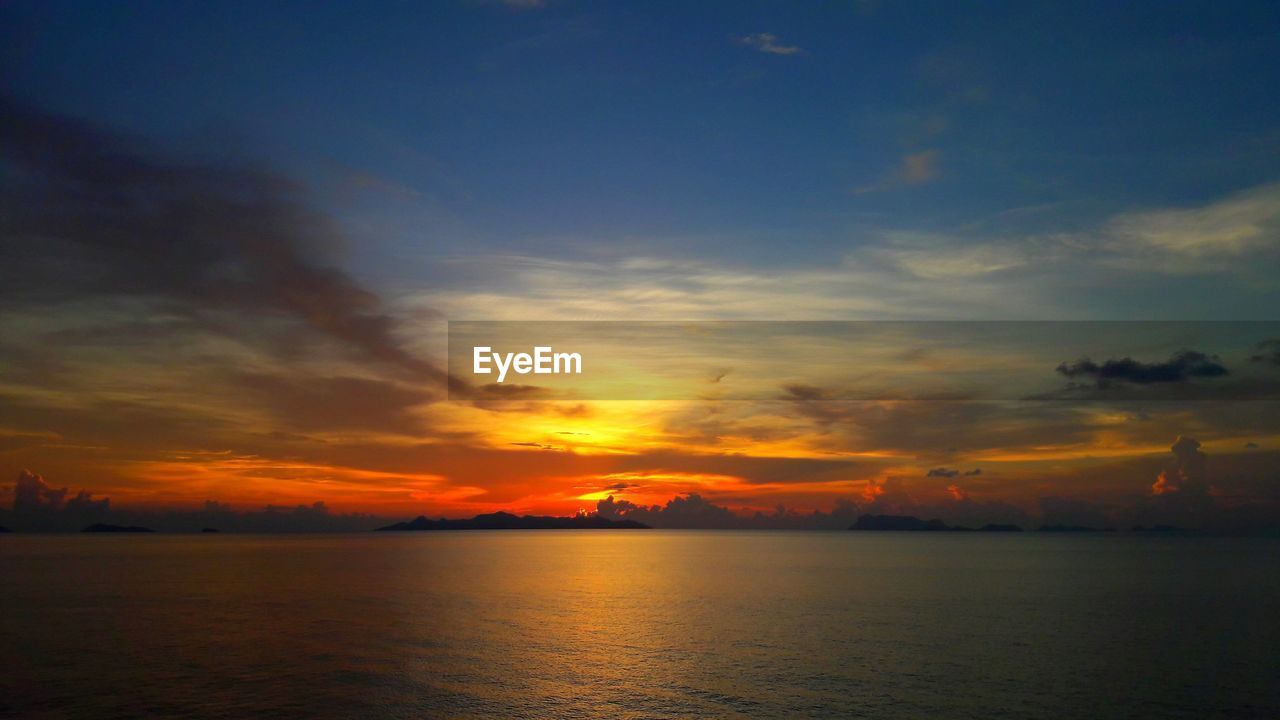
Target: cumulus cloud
(39, 507)
(892, 496)
(695, 512)
(33, 494)
(1187, 473)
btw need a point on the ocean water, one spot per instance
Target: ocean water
(643, 624)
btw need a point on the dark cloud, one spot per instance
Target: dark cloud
(892, 496)
(511, 391)
(92, 216)
(1182, 366)
(1188, 494)
(33, 494)
(695, 512)
(691, 511)
(1188, 473)
(314, 403)
(540, 446)
(1267, 351)
(38, 507)
(17, 440)
(805, 392)
(751, 469)
(949, 473)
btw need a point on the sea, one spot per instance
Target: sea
(640, 624)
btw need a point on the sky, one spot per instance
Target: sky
(234, 233)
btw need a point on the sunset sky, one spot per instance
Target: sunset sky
(234, 234)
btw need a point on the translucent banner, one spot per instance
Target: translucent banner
(865, 361)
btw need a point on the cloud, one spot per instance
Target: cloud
(957, 506)
(691, 511)
(311, 403)
(1187, 473)
(1181, 367)
(93, 216)
(919, 167)
(914, 169)
(1245, 223)
(768, 43)
(887, 272)
(37, 507)
(934, 258)
(32, 494)
(948, 473)
(1268, 351)
(798, 391)
(695, 512)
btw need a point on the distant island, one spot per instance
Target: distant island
(909, 523)
(507, 521)
(1073, 529)
(105, 528)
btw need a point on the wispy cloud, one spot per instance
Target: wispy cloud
(914, 169)
(768, 43)
(1243, 224)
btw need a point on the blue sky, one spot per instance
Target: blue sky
(757, 136)
(178, 324)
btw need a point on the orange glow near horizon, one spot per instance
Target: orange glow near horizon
(556, 458)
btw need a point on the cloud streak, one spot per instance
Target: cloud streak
(93, 216)
(768, 43)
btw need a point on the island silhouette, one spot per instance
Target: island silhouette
(105, 528)
(507, 521)
(910, 523)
